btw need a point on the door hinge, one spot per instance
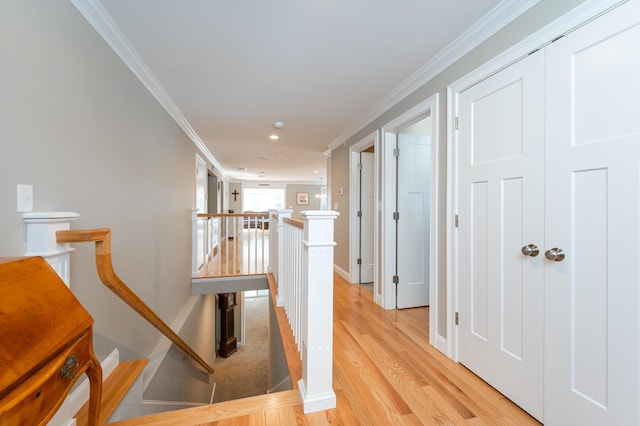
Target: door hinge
(360, 214)
(396, 152)
(396, 216)
(359, 166)
(457, 123)
(396, 280)
(359, 261)
(457, 318)
(456, 220)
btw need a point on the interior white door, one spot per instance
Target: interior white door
(501, 211)
(413, 225)
(367, 216)
(593, 173)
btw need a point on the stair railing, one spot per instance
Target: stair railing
(102, 239)
(305, 290)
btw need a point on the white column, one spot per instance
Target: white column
(273, 244)
(315, 387)
(281, 258)
(41, 228)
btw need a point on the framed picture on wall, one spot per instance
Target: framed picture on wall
(302, 198)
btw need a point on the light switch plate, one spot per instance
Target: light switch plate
(25, 198)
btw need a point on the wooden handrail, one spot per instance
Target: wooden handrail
(233, 214)
(294, 222)
(102, 238)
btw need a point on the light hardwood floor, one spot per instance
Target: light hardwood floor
(385, 373)
(247, 254)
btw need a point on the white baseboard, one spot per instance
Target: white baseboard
(80, 395)
(164, 345)
(344, 274)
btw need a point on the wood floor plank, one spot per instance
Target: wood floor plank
(384, 373)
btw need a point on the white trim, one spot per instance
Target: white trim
(101, 21)
(387, 179)
(354, 196)
(317, 402)
(491, 23)
(570, 21)
(160, 351)
(338, 270)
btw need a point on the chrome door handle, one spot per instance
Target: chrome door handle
(530, 250)
(555, 254)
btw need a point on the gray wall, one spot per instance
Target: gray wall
(536, 18)
(236, 205)
(77, 125)
(291, 198)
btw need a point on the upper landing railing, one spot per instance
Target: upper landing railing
(299, 255)
(230, 244)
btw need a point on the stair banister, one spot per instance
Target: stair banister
(102, 238)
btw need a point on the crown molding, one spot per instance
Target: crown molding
(491, 23)
(100, 20)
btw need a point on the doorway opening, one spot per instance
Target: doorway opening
(363, 184)
(408, 221)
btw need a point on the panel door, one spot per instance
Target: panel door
(593, 175)
(367, 193)
(413, 225)
(501, 210)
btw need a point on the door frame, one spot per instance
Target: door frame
(565, 24)
(354, 196)
(387, 194)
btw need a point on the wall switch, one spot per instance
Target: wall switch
(25, 198)
(335, 206)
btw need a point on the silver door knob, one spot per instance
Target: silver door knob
(555, 254)
(530, 250)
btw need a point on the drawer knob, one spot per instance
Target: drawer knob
(70, 367)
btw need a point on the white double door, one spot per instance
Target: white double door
(548, 243)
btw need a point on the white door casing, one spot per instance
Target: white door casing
(367, 210)
(201, 205)
(501, 209)
(386, 193)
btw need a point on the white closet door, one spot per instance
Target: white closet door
(501, 210)
(593, 215)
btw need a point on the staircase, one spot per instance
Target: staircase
(114, 389)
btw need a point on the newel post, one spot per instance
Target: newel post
(40, 229)
(281, 259)
(316, 389)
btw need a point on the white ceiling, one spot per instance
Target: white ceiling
(234, 67)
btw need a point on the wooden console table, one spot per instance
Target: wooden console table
(46, 343)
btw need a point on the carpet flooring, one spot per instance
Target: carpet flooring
(245, 373)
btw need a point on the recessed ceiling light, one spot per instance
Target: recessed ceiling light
(315, 171)
(278, 124)
(274, 137)
(266, 158)
(240, 168)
